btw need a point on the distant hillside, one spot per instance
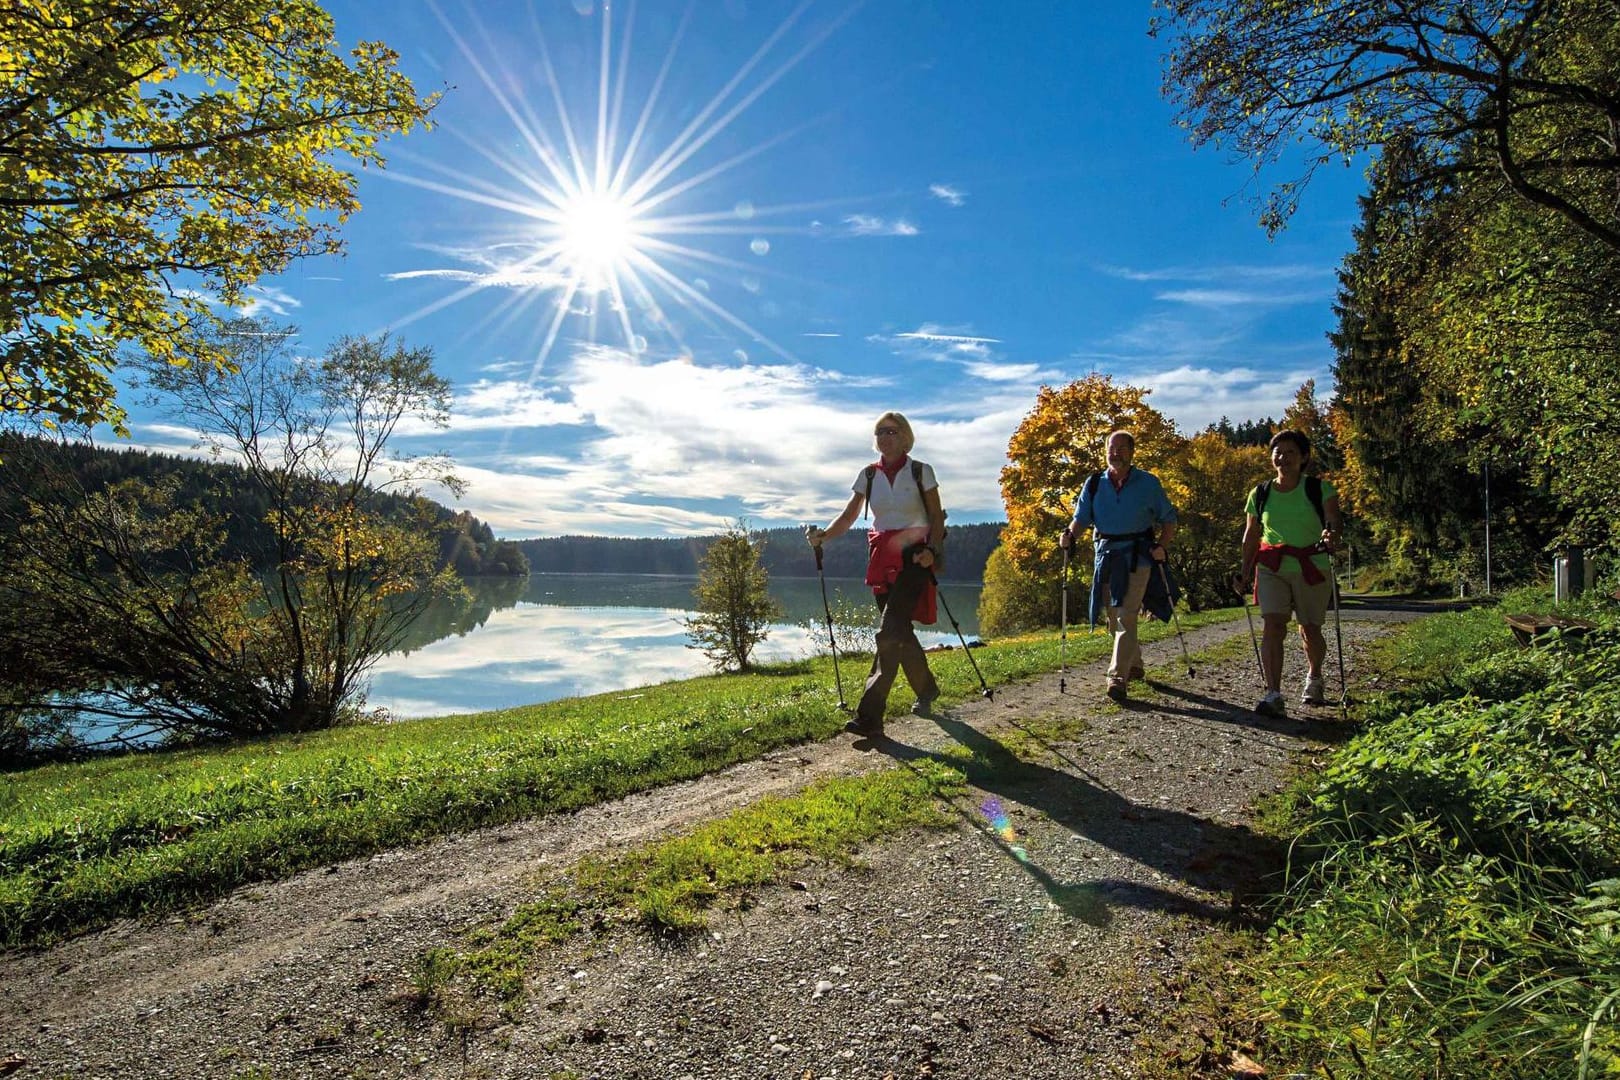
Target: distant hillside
(467, 544)
(786, 554)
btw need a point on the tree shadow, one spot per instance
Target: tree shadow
(1205, 854)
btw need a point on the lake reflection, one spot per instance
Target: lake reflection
(564, 635)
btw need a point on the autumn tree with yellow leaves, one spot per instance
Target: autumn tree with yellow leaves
(1056, 447)
(156, 158)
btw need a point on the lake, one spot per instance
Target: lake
(550, 636)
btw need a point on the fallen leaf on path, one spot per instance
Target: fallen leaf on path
(1245, 1066)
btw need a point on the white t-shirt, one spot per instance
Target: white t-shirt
(898, 505)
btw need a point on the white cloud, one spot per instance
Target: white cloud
(973, 353)
(267, 299)
(1196, 396)
(1231, 298)
(501, 277)
(1232, 272)
(992, 372)
(871, 225)
(507, 405)
(948, 194)
(670, 446)
(930, 332)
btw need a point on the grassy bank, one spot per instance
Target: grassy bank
(86, 843)
(1454, 908)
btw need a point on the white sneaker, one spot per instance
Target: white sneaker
(1313, 693)
(1272, 705)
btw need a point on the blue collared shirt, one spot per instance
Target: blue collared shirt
(1140, 504)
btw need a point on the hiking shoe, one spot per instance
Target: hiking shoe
(924, 707)
(864, 730)
(1313, 693)
(1272, 705)
(1117, 689)
(1138, 674)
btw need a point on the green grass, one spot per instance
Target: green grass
(1431, 649)
(83, 844)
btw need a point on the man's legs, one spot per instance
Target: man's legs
(1122, 624)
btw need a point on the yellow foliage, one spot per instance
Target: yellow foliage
(1212, 480)
(1058, 445)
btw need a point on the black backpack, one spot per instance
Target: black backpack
(1091, 486)
(917, 477)
(1313, 492)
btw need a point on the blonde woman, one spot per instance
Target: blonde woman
(907, 520)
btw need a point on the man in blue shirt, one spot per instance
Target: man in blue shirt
(1134, 522)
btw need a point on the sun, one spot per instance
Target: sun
(610, 239)
(596, 233)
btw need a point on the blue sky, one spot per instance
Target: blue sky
(825, 211)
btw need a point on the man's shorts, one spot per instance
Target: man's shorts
(1287, 592)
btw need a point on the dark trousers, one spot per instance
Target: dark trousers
(897, 648)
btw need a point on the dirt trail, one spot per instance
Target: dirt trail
(965, 953)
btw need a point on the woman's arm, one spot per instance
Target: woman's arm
(936, 526)
(1251, 546)
(1333, 524)
(839, 525)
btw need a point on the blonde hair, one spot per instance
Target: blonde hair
(907, 439)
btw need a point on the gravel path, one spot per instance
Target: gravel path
(956, 953)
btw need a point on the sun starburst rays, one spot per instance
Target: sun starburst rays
(607, 220)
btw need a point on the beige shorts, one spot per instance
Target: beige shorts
(1281, 594)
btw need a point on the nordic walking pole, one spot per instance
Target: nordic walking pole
(832, 640)
(1338, 635)
(1176, 615)
(989, 694)
(1063, 637)
(1244, 593)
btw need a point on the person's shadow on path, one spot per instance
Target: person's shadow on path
(1219, 711)
(1205, 854)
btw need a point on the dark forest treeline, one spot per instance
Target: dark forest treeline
(465, 543)
(785, 554)
(1246, 432)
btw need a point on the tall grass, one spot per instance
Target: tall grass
(1456, 899)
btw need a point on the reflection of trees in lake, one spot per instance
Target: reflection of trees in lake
(800, 600)
(458, 616)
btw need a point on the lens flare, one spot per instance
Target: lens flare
(1002, 826)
